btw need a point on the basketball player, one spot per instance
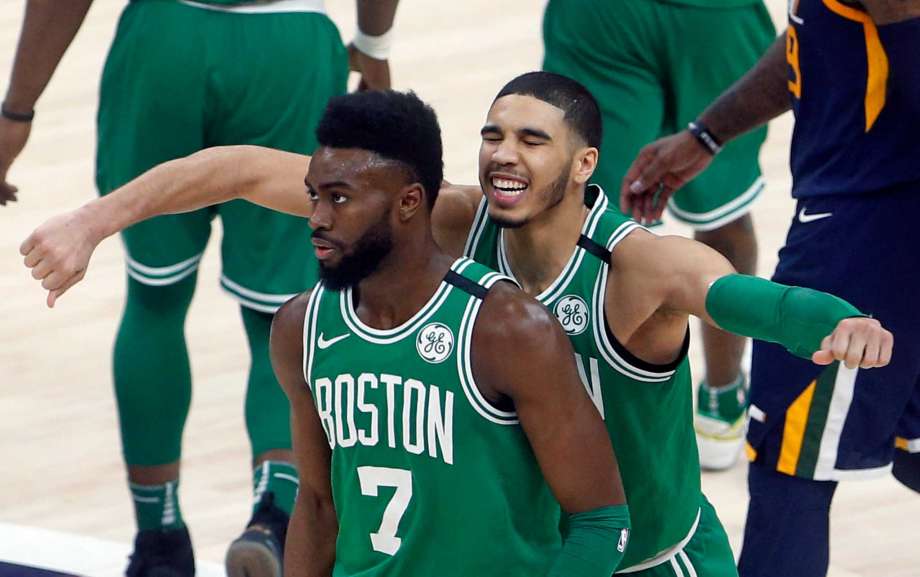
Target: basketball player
(420, 446)
(851, 74)
(181, 76)
(653, 65)
(623, 295)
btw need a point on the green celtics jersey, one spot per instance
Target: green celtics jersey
(647, 408)
(428, 477)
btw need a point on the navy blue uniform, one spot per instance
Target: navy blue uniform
(855, 89)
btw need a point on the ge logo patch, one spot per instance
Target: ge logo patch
(572, 313)
(435, 342)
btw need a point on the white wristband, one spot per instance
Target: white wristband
(374, 46)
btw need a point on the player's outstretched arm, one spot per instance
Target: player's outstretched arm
(310, 547)
(47, 31)
(59, 250)
(692, 278)
(667, 164)
(520, 353)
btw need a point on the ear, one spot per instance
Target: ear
(583, 164)
(411, 200)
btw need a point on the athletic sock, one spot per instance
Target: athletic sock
(156, 507)
(723, 403)
(276, 477)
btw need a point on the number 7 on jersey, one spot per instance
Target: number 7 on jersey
(371, 479)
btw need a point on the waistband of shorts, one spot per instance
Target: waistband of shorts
(263, 6)
(667, 554)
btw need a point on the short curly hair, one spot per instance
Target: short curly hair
(397, 126)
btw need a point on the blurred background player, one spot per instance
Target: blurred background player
(851, 74)
(181, 76)
(653, 65)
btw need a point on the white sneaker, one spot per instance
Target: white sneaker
(719, 442)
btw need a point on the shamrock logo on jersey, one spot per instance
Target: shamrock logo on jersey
(572, 313)
(435, 342)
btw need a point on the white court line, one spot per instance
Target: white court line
(68, 553)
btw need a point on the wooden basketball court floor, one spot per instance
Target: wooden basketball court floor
(65, 503)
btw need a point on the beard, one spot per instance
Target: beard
(552, 194)
(368, 253)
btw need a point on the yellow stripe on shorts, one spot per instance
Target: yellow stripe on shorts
(794, 431)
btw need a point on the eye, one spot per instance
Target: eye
(534, 142)
(491, 137)
(339, 198)
(311, 194)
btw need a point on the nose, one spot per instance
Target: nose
(321, 219)
(505, 152)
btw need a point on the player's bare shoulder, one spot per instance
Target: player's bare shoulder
(509, 314)
(636, 255)
(514, 334)
(287, 342)
(453, 215)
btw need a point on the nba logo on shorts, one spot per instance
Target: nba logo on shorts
(435, 342)
(572, 313)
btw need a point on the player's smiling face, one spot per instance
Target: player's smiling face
(525, 158)
(352, 193)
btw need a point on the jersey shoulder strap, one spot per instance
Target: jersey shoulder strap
(473, 278)
(609, 227)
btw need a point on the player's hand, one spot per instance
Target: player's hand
(857, 342)
(375, 74)
(13, 137)
(659, 170)
(58, 252)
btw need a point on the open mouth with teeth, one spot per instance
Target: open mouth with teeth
(508, 189)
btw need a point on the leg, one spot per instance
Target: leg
(907, 456)
(263, 264)
(906, 469)
(812, 426)
(268, 419)
(708, 50)
(803, 549)
(153, 389)
(722, 395)
(143, 121)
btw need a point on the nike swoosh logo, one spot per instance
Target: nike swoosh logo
(325, 344)
(806, 218)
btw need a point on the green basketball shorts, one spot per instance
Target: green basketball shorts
(654, 67)
(706, 553)
(181, 78)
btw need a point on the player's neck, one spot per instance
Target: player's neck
(538, 251)
(404, 282)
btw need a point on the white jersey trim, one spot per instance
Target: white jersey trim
(606, 348)
(668, 554)
(263, 6)
(309, 333)
(571, 267)
(465, 365)
(388, 336)
(479, 222)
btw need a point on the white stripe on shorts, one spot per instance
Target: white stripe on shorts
(263, 6)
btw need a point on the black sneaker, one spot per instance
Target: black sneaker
(259, 551)
(159, 553)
